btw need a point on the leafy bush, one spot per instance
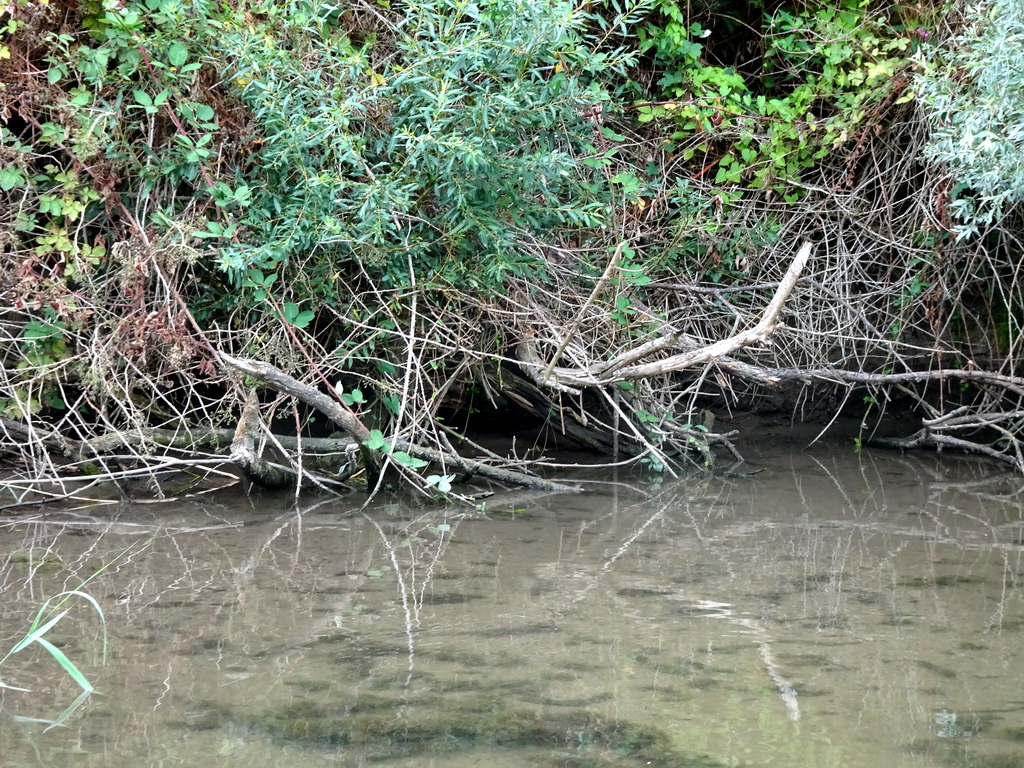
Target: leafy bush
(291, 138)
(972, 89)
(822, 74)
(438, 155)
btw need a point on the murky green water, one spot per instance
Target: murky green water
(834, 610)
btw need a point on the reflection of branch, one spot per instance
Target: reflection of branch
(786, 689)
(117, 528)
(763, 640)
(412, 603)
(33, 491)
(711, 609)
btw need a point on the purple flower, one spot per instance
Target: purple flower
(922, 33)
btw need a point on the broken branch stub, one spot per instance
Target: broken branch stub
(280, 381)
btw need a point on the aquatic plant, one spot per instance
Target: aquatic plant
(51, 614)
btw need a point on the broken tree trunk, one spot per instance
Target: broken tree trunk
(248, 457)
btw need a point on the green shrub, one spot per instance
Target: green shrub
(972, 90)
(287, 139)
(819, 77)
(438, 147)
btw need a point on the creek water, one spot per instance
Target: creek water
(835, 609)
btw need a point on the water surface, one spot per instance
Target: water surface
(833, 610)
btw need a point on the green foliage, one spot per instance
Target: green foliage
(40, 345)
(104, 139)
(46, 620)
(432, 146)
(377, 442)
(294, 156)
(443, 484)
(294, 162)
(51, 614)
(823, 73)
(406, 460)
(294, 315)
(438, 157)
(352, 399)
(972, 89)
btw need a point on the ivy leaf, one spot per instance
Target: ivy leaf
(350, 398)
(294, 316)
(608, 133)
(303, 319)
(10, 178)
(80, 97)
(443, 483)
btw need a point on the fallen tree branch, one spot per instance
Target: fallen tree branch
(279, 381)
(534, 369)
(472, 466)
(764, 375)
(337, 412)
(1013, 383)
(626, 367)
(189, 438)
(764, 328)
(925, 438)
(182, 439)
(670, 340)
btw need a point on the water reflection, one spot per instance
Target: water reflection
(833, 610)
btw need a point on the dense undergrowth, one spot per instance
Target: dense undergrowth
(425, 209)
